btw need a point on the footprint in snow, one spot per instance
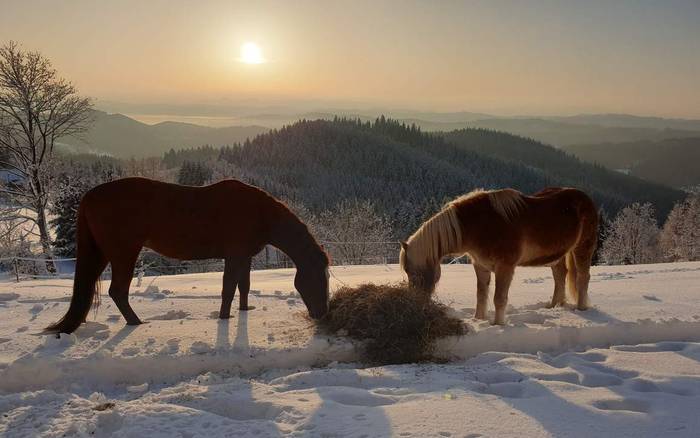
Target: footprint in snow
(170, 315)
(652, 348)
(8, 296)
(200, 347)
(130, 351)
(631, 405)
(36, 308)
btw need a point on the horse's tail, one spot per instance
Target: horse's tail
(585, 245)
(89, 265)
(571, 276)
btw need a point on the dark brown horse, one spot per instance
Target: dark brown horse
(229, 220)
(502, 229)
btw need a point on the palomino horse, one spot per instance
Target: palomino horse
(229, 220)
(502, 229)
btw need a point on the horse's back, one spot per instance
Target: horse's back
(179, 221)
(563, 199)
(555, 220)
(536, 230)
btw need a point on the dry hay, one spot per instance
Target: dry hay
(398, 323)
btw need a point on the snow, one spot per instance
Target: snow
(628, 367)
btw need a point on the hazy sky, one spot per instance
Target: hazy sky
(507, 57)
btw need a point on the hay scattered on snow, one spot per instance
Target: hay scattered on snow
(398, 323)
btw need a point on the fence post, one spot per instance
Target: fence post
(15, 262)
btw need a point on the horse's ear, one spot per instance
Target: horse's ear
(404, 245)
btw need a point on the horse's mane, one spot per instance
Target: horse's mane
(507, 202)
(442, 233)
(439, 235)
(305, 239)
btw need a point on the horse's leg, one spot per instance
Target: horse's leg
(122, 273)
(483, 278)
(232, 268)
(504, 275)
(244, 285)
(582, 258)
(559, 274)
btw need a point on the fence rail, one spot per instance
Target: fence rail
(151, 263)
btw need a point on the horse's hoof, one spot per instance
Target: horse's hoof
(136, 322)
(582, 308)
(245, 309)
(224, 316)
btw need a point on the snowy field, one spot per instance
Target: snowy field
(628, 367)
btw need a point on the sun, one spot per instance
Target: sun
(251, 54)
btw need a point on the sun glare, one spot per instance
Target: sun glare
(251, 54)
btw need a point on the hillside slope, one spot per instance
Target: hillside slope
(409, 174)
(564, 168)
(124, 137)
(673, 162)
(561, 133)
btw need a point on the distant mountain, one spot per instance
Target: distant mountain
(557, 133)
(124, 137)
(405, 171)
(554, 130)
(674, 162)
(430, 121)
(630, 121)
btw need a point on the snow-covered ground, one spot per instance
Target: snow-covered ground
(628, 367)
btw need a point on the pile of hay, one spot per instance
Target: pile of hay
(398, 323)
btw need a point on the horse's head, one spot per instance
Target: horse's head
(312, 283)
(423, 276)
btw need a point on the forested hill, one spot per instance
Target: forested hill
(565, 169)
(409, 174)
(673, 162)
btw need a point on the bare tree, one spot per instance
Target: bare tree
(37, 107)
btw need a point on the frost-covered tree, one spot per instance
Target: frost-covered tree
(680, 237)
(151, 167)
(354, 233)
(37, 108)
(633, 237)
(73, 179)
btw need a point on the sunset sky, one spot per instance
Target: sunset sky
(502, 57)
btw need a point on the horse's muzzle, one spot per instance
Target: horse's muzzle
(318, 313)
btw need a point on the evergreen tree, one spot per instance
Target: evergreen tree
(73, 180)
(194, 174)
(603, 232)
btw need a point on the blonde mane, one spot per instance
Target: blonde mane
(507, 202)
(442, 234)
(438, 236)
